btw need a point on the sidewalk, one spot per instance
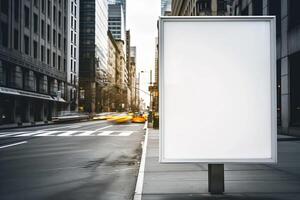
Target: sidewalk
(242, 181)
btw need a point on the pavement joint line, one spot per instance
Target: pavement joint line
(14, 144)
(140, 179)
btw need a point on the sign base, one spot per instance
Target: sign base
(216, 178)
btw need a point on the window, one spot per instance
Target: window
(35, 49)
(64, 65)
(16, 39)
(49, 8)
(75, 39)
(294, 15)
(71, 50)
(43, 6)
(16, 10)
(71, 65)
(59, 41)
(75, 25)
(54, 14)
(59, 60)
(75, 12)
(54, 37)
(26, 44)
(72, 36)
(54, 59)
(42, 53)
(36, 3)
(59, 19)
(26, 17)
(72, 21)
(74, 67)
(74, 52)
(43, 29)
(48, 56)
(65, 45)
(4, 7)
(48, 33)
(35, 23)
(4, 36)
(72, 7)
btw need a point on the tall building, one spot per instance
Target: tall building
(201, 7)
(133, 78)
(120, 2)
(73, 55)
(288, 55)
(33, 60)
(116, 21)
(93, 53)
(165, 6)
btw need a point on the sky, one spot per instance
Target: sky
(142, 16)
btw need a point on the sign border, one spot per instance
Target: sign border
(272, 21)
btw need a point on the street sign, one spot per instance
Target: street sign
(218, 89)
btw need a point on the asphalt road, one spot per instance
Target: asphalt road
(86, 160)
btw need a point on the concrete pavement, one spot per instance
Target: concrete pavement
(242, 181)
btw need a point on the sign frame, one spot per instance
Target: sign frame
(273, 115)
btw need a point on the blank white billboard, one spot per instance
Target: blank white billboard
(218, 89)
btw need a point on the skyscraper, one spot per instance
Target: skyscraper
(33, 55)
(93, 53)
(165, 6)
(116, 21)
(120, 2)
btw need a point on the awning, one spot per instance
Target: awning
(11, 91)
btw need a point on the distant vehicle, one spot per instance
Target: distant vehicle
(121, 118)
(139, 118)
(66, 116)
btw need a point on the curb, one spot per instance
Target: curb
(140, 179)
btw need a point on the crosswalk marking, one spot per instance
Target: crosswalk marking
(67, 133)
(86, 133)
(46, 133)
(105, 133)
(49, 133)
(125, 133)
(9, 134)
(28, 134)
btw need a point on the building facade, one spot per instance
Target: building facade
(116, 21)
(33, 55)
(93, 54)
(165, 6)
(201, 7)
(288, 55)
(73, 55)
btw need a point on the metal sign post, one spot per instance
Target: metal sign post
(216, 178)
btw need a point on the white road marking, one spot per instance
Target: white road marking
(105, 127)
(125, 133)
(86, 133)
(14, 144)
(67, 133)
(140, 180)
(10, 134)
(105, 133)
(49, 133)
(29, 134)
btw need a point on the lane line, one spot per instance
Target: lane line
(67, 133)
(140, 180)
(125, 133)
(105, 133)
(14, 144)
(105, 127)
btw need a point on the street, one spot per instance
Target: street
(85, 160)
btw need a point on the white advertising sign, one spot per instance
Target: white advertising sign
(218, 89)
